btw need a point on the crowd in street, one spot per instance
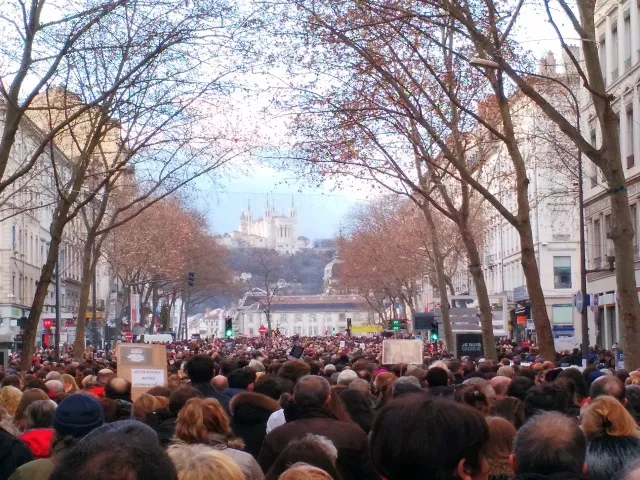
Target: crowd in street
(244, 409)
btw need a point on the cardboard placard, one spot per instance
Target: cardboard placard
(144, 365)
(402, 351)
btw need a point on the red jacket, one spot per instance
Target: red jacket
(97, 390)
(39, 441)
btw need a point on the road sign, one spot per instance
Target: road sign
(579, 301)
(128, 336)
(262, 330)
(596, 300)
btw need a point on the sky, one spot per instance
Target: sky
(321, 211)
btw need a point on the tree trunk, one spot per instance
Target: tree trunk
(85, 291)
(475, 267)
(544, 335)
(46, 275)
(442, 284)
(627, 292)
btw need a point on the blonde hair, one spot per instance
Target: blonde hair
(69, 380)
(144, 406)
(633, 379)
(163, 402)
(88, 381)
(303, 471)
(607, 416)
(199, 418)
(10, 398)
(199, 462)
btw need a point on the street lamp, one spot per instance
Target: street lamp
(485, 63)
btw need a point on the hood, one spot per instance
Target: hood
(39, 441)
(249, 407)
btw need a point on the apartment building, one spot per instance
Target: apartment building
(618, 37)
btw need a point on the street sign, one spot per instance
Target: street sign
(596, 300)
(262, 330)
(128, 336)
(579, 301)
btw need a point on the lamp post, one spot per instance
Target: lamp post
(482, 62)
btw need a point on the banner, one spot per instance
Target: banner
(366, 329)
(135, 308)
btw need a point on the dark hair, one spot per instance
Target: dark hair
(607, 455)
(607, 385)
(39, 414)
(180, 396)
(509, 408)
(113, 455)
(437, 377)
(200, 369)
(305, 450)
(417, 437)
(294, 370)
(12, 381)
(519, 387)
(358, 407)
(272, 387)
(36, 384)
(632, 394)
(311, 390)
(546, 397)
(582, 391)
(241, 378)
(116, 393)
(549, 443)
(227, 366)
(471, 395)
(110, 409)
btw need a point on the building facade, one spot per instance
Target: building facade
(272, 230)
(618, 37)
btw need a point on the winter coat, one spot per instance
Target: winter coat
(442, 392)
(13, 453)
(39, 441)
(209, 392)
(348, 438)
(41, 468)
(553, 476)
(232, 392)
(165, 425)
(249, 414)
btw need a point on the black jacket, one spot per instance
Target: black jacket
(209, 392)
(13, 453)
(249, 414)
(164, 425)
(553, 476)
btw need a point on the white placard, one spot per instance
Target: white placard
(342, 344)
(147, 377)
(402, 351)
(362, 346)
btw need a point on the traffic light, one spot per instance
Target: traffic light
(435, 335)
(228, 327)
(191, 279)
(348, 323)
(397, 324)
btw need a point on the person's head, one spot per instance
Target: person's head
(418, 437)
(580, 384)
(53, 375)
(546, 397)
(180, 396)
(311, 391)
(437, 377)
(144, 406)
(200, 368)
(28, 397)
(358, 407)
(10, 398)
(511, 409)
(302, 471)
(500, 445)
(519, 387)
(506, 371)
(360, 385)
(12, 381)
(294, 370)
(55, 387)
(500, 385)
(473, 396)
(243, 378)
(88, 381)
(257, 366)
(39, 414)
(118, 389)
(199, 418)
(77, 415)
(69, 383)
(200, 462)
(220, 382)
(329, 369)
(104, 375)
(404, 385)
(313, 450)
(115, 454)
(607, 416)
(608, 385)
(346, 377)
(549, 443)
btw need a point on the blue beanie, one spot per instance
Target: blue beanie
(77, 415)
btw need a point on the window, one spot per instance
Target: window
(627, 40)
(602, 53)
(614, 52)
(13, 238)
(634, 223)
(562, 272)
(562, 314)
(597, 244)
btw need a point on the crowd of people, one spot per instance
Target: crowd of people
(246, 410)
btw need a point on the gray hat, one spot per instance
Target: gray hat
(405, 385)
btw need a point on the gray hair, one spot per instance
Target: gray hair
(53, 375)
(360, 385)
(55, 386)
(39, 414)
(323, 444)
